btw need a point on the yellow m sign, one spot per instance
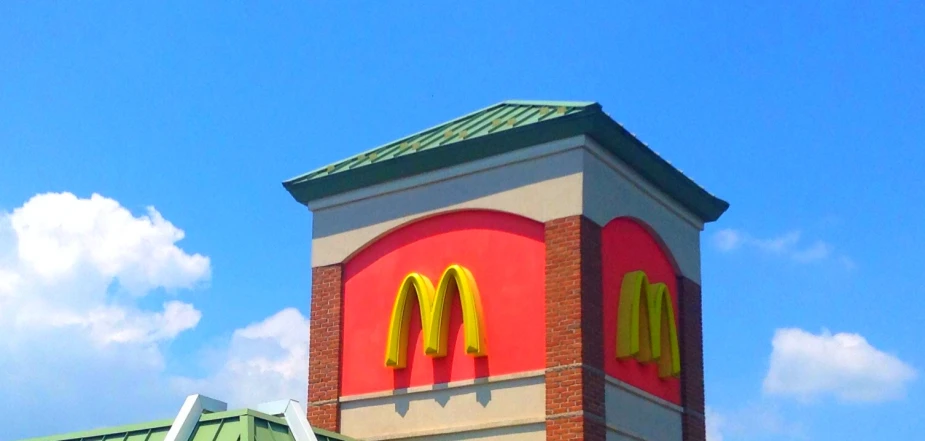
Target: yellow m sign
(435, 315)
(646, 327)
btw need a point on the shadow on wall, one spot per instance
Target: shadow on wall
(442, 394)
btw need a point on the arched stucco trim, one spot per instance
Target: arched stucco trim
(430, 217)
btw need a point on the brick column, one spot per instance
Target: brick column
(691, 341)
(324, 350)
(574, 331)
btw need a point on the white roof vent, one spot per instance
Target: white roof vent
(195, 405)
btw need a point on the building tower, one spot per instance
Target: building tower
(530, 271)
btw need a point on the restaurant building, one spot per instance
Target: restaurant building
(529, 271)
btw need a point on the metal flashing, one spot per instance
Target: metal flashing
(291, 411)
(298, 424)
(186, 421)
(275, 408)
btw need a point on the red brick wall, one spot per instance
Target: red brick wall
(691, 341)
(324, 351)
(574, 331)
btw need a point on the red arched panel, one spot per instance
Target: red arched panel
(627, 245)
(506, 255)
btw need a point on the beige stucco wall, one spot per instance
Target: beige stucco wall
(542, 183)
(632, 414)
(526, 432)
(612, 189)
(502, 408)
(548, 181)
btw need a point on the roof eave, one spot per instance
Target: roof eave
(306, 191)
(629, 149)
(594, 122)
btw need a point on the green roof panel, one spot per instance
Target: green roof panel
(488, 121)
(501, 128)
(235, 425)
(152, 431)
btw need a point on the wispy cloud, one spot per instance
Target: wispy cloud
(789, 245)
(784, 243)
(715, 423)
(727, 239)
(264, 361)
(755, 421)
(817, 251)
(845, 366)
(847, 262)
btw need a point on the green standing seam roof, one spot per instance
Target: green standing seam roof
(501, 128)
(235, 425)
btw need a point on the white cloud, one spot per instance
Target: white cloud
(60, 256)
(715, 423)
(808, 366)
(73, 326)
(87, 314)
(59, 234)
(108, 324)
(265, 361)
(787, 244)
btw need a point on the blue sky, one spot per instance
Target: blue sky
(808, 118)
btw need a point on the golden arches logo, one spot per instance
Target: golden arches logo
(646, 329)
(435, 315)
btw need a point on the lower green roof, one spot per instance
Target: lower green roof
(233, 425)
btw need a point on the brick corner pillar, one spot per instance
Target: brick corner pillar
(325, 346)
(574, 331)
(692, 388)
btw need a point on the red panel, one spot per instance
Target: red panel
(506, 255)
(627, 246)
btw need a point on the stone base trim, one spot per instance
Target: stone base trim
(582, 427)
(645, 395)
(516, 376)
(449, 413)
(324, 416)
(459, 429)
(694, 428)
(586, 415)
(626, 386)
(625, 433)
(322, 402)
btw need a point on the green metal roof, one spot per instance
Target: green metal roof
(234, 425)
(501, 128)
